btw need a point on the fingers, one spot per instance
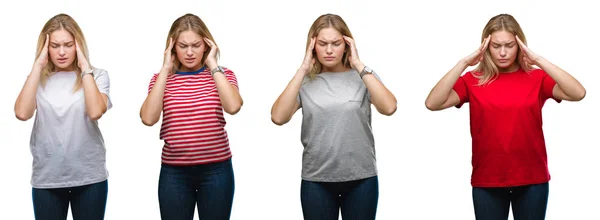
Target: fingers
(350, 42)
(77, 49)
(46, 42)
(519, 41)
(311, 46)
(170, 45)
(485, 43)
(209, 42)
(522, 46)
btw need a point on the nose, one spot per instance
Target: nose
(62, 51)
(329, 50)
(502, 52)
(189, 52)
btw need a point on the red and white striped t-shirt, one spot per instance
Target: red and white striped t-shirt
(193, 126)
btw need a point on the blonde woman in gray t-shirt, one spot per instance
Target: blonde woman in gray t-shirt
(335, 91)
(68, 96)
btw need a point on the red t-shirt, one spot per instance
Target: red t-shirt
(193, 126)
(506, 127)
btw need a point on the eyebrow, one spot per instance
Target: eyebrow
(182, 43)
(496, 43)
(63, 43)
(333, 41)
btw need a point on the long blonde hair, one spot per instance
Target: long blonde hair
(189, 22)
(327, 21)
(487, 70)
(67, 23)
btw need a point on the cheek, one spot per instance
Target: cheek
(71, 52)
(320, 50)
(53, 52)
(340, 50)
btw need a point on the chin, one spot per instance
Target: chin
(330, 64)
(62, 67)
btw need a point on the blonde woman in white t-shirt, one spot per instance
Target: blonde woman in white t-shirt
(68, 96)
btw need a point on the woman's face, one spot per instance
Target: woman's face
(330, 47)
(190, 48)
(61, 49)
(504, 50)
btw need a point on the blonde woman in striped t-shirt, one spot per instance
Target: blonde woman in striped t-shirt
(192, 91)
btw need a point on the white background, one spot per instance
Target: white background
(423, 157)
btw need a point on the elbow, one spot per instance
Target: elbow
(22, 116)
(233, 109)
(389, 111)
(580, 95)
(278, 120)
(430, 106)
(146, 121)
(94, 116)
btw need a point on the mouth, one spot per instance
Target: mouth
(62, 60)
(189, 60)
(503, 60)
(329, 58)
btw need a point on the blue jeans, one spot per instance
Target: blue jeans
(88, 202)
(528, 202)
(323, 200)
(210, 186)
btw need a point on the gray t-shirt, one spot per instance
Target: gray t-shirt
(67, 146)
(336, 128)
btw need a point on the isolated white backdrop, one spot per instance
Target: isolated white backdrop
(423, 157)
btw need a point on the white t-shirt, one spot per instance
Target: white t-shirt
(67, 146)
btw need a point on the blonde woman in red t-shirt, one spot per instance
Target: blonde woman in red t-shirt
(506, 95)
(192, 91)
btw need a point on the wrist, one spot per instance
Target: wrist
(538, 60)
(359, 67)
(212, 65)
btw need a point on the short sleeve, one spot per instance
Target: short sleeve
(103, 83)
(460, 87)
(547, 87)
(231, 77)
(152, 81)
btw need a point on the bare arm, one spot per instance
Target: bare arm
(383, 100)
(567, 87)
(442, 96)
(286, 104)
(230, 97)
(95, 102)
(25, 104)
(153, 105)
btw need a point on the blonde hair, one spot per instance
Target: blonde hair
(67, 23)
(189, 22)
(487, 70)
(327, 21)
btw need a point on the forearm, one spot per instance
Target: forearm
(383, 100)
(153, 105)
(567, 83)
(441, 91)
(25, 104)
(230, 97)
(95, 105)
(286, 104)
